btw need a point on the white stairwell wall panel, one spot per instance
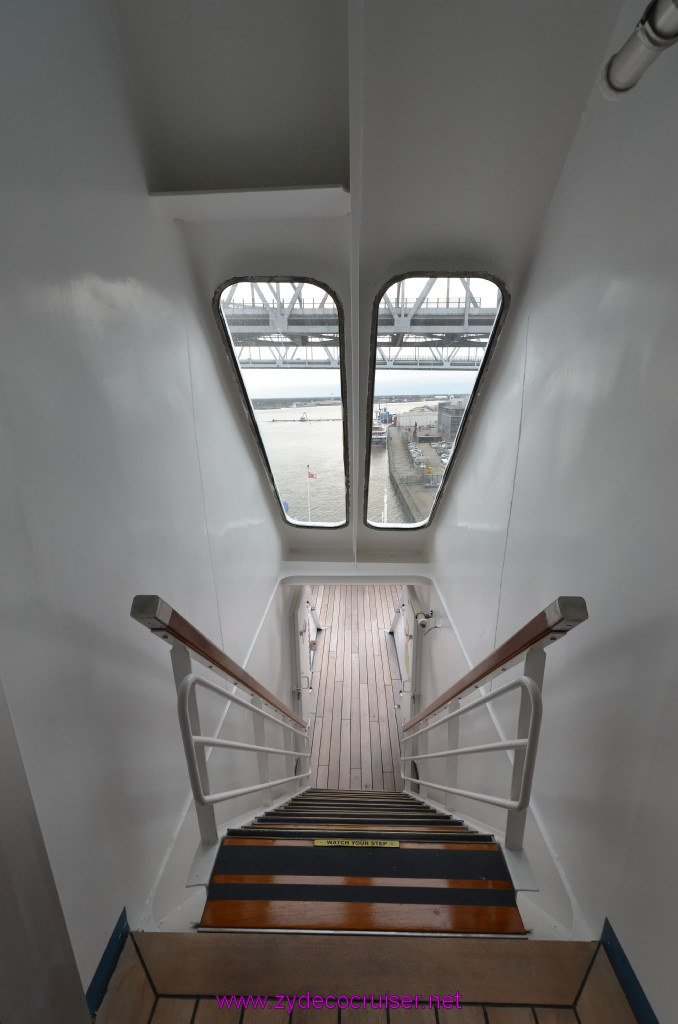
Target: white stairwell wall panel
(590, 509)
(123, 468)
(38, 974)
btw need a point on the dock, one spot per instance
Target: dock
(416, 490)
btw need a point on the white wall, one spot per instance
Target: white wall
(38, 975)
(123, 469)
(575, 493)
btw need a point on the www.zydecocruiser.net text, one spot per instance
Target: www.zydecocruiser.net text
(383, 1000)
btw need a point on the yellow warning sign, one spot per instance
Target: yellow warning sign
(356, 842)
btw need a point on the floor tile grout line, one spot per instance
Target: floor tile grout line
(143, 964)
(586, 976)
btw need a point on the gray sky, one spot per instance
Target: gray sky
(325, 383)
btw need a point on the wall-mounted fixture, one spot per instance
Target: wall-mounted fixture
(421, 617)
(656, 31)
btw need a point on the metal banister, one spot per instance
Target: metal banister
(554, 621)
(195, 758)
(523, 768)
(158, 616)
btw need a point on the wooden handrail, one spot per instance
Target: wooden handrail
(555, 621)
(154, 613)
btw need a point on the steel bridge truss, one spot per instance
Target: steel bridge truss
(413, 331)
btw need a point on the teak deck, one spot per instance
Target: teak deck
(351, 707)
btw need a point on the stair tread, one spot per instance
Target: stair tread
(364, 916)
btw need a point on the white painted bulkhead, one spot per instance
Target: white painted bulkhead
(127, 467)
(124, 470)
(568, 485)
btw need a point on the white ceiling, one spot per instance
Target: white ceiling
(465, 114)
(470, 107)
(240, 93)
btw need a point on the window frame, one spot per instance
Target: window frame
(471, 407)
(229, 349)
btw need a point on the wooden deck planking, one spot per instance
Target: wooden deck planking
(351, 710)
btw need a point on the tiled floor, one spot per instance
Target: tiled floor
(350, 706)
(153, 964)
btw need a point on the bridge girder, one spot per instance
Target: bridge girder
(413, 331)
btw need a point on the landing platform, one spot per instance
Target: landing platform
(351, 705)
(174, 978)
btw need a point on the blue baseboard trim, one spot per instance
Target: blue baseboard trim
(103, 973)
(627, 978)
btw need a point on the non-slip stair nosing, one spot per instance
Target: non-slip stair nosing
(365, 933)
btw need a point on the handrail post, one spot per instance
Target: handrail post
(452, 763)
(260, 740)
(181, 667)
(535, 661)
(294, 743)
(419, 747)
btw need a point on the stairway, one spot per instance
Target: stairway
(343, 860)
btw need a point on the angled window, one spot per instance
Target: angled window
(285, 338)
(430, 339)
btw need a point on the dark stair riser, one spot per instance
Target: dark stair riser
(368, 862)
(359, 893)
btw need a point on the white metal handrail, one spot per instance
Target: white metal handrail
(523, 768)
(235, 699)
(195, 743)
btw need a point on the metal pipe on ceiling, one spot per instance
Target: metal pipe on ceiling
(655, 32)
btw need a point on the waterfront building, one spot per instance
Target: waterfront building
(450, 415)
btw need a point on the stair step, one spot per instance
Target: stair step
(376, 819)
(407, 843)
(366, 797)
(366, 916)
(236, 857)
(399, 805)
(381, 794)
(366, 804)
(394, 835)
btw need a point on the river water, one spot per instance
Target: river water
(295, 448)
